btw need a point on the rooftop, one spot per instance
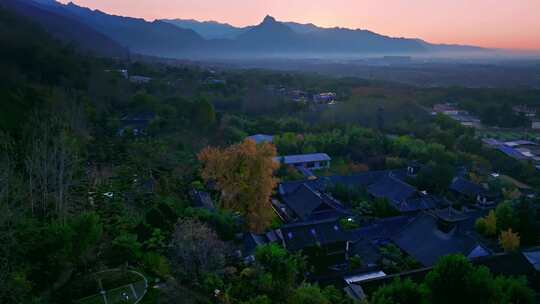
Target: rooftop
(303, 158)
(465, 187)
(261, 138)
(308, 204)
(392, 188)
(426, 243)
(312, 233)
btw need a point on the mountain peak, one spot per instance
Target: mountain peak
(269, 19)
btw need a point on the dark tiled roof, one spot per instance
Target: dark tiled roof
(286, 188)
(383, 228)
(367, 250)
(426, 243)
(202, 199)
(361, 180)
(533, 256)
(251, 241)
(424, 202)
(509, 264)
(465, 187)
(312, 233)
(308, 204)
(392, 188)
(511, 152)
(357, 180)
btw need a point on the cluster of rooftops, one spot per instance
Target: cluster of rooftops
(308, 204)
(426, 228)
(518, 149)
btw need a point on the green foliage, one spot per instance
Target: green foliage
(357, 143)
(203, 113)
(125, 248)
(399, 292)
(383, 208)
(346, 194)
(308, 294)
(348, 224)
(395, 261)
(514, 290)
(282, 270)
(156, 241)
(225, 223)
(455, 280)
(487, 225)
(505, 215)
(88, 231)
(355, 262)
(435, 177)
(156, 264)
(475, 284)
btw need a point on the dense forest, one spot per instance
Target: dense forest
(87, 185)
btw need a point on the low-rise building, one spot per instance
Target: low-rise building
(261, 138)
(139, 79)
(138, 123)
(426, 242)
(472, 192)
(524, 110)
(311, 161)
(445, 108)
(306, 203)
(328, 97)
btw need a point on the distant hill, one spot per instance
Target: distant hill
(276, 37)
(273, 37)
(139, 36)
(218, 30)
(208, 29)
(192, 39)
(66, 28)
(303, 28)
(150, 38)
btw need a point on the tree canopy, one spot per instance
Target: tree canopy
(244, 173)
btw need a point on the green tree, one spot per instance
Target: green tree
(395, 261)
(514, 290)
(399, 292)
(308, 294)
(125, 248)
(455, 273)
(381, 207)
(506, 217)
(488, 224)
(436, 177)
(204, 114)
(282, 271)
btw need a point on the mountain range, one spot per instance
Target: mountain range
(105, 33)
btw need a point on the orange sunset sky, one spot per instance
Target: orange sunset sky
(511, 24)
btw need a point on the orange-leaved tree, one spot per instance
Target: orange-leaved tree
(244, 173)
(509, 240)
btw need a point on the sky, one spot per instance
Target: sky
(510, 24)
